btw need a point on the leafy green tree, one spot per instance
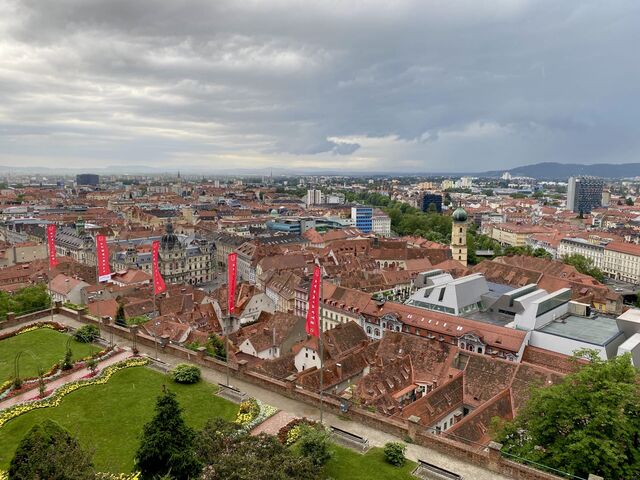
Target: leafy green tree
(87, 334)
(228, 453)
(48, 451)
(167, 445)
(67, 362)
(120, 316)
(217, 347)
(25, 300)
(588, 423)
(584, 265)
(314, 444)
(629, 201)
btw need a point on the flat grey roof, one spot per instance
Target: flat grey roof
(492, 318)
(499, 288)
(597, 330)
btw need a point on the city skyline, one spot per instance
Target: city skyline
(367, 87)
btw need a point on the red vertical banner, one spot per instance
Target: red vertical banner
(158, 282)
(232, 269)
(313, 312)
(51, 243)
(102, 254)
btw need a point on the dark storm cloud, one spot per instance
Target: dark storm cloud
(375, 85)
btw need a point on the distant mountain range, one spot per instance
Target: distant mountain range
(541, 171)
(560, 171)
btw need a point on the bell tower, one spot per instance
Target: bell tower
(459, 235)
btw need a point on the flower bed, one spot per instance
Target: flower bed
(58, 394)
(252, 413)
(7, 389)
(116, 476)
(34, 326)
(290, 433)
(99, 476)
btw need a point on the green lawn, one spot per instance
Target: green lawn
(349, 465)
(109, 417)
(43, 347)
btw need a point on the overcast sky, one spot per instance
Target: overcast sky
(399, 86)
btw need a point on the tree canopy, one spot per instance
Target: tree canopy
(588, 423)
(167, 443)
(230, 454)
(408, 220)
(27, 299)
(49, 451)
(584, 265)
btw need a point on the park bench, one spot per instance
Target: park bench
(231, 393)
(429, 471)
(349, 439)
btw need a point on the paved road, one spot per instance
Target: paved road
(300, 409)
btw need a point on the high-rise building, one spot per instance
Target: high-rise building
(90, 179)
(431, 198)
(315, 197)
(459, 235)
(363, 218)
(584, 194)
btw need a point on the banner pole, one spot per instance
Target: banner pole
(225, 327)
(321, 321)
(98, 284)
(50, 273)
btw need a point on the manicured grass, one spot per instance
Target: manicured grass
(109, 418)
(46, 345)
(349, 465)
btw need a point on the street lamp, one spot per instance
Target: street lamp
(106, 322)
(134, 338)
(155, 339)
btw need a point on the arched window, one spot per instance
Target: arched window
(377, 332)
(462, 345)
(470, 348)
(479, 349)
(368, 330)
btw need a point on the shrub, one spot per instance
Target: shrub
(87, 334)
(314, 444)
(67, 363)
(285, 434)
(394, 453)
(92, 365)
(185, 373)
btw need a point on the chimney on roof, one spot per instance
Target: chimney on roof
(339, 369)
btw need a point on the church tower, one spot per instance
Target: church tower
(459, 236)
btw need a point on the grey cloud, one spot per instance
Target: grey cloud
(142, 81)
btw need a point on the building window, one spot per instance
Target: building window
(377, 332)
(368, 330)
